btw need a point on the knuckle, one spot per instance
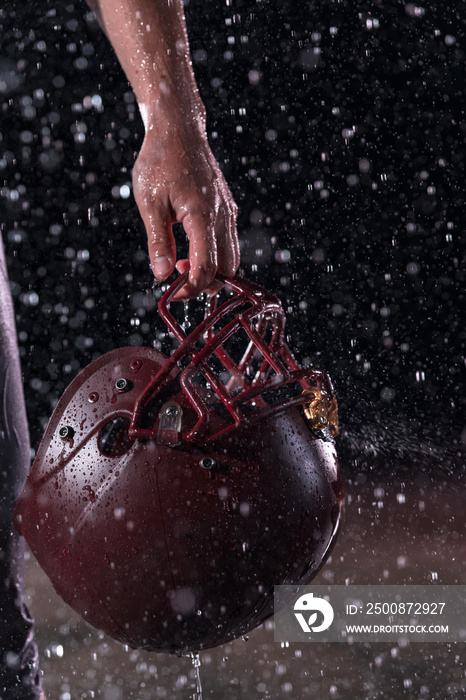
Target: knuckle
(159, 247)
(207, 267)
(201, 215)
(203, 272)
(159, 236)
(233, 206)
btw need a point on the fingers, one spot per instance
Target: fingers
(202, 253)
(157, 219)
(227, 244)
(197, 196)
(227, 239)
(161, 244)
(213, 248)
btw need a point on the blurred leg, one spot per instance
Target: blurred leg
(19, 670)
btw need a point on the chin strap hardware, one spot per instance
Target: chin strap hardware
(171, 416)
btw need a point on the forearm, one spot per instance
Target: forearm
(150, 40)
(175, 176)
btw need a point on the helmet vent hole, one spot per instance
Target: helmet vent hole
(113, 440)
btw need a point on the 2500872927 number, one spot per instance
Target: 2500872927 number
(396, 608)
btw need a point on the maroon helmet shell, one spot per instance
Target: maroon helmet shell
(170, 494)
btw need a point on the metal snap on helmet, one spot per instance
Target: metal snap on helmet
(170, 494)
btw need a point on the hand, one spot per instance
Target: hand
(176, 179)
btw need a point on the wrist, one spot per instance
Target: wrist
(173, 108)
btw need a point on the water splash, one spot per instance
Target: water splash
(196, 661)
(186, 325)
(401, 443)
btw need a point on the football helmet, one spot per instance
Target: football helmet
(171, 493)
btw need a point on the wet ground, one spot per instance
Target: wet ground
(394, 532)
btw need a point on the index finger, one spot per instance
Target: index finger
(203, 257)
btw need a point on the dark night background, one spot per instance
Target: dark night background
(341, 129)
